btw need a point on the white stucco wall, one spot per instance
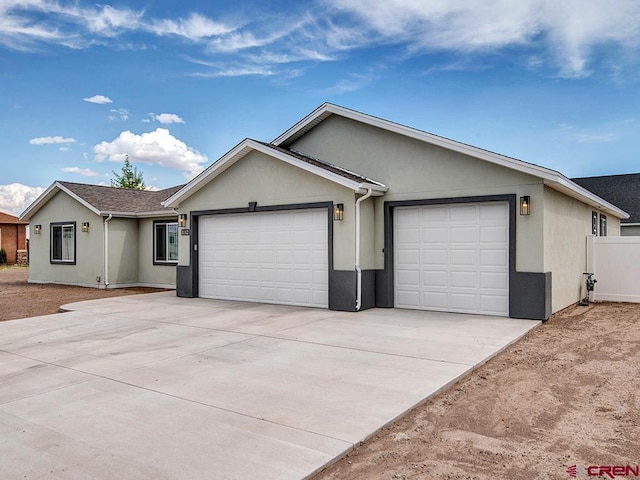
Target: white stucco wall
(89, 264)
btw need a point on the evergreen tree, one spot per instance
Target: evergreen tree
(130, 177)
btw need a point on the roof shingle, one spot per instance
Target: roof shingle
(122, 200)
(621, 190)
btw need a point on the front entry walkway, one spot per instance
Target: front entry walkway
(159, 387)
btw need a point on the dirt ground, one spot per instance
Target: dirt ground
(19, 299)
(566, 394)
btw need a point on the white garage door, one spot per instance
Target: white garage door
(452, 258)
(272, 257)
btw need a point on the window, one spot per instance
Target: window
(165, 242)
(603, 225)
(63, 243)
(594, 223)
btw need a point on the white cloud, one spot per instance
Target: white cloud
(86, 172)
(165, 118)
(195, 27)
(569, 33)
(50, 140)
(153, 148)
(570, 29)
(355, 82)
(99, 99)
(119, 113)
(15, 197)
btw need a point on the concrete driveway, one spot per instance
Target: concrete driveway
(159, 387)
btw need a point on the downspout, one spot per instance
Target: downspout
(106, 250)
(358, 269)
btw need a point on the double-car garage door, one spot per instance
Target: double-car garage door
(272, 257)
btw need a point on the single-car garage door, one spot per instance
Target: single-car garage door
(452, 258)
(272, 257)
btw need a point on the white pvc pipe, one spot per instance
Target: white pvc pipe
(106, 250)
(358, 269)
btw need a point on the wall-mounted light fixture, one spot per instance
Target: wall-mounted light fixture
(525, 205)
(182, 220)
(37, 229)
(85, 227)
(338, 212)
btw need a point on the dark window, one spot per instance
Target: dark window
(594, 223)
(63, 243)
(603, 225)
(165, 242)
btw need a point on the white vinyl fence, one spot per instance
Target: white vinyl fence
(616, 264)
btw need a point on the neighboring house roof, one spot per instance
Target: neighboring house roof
(341, 176)
(552, 178)
(621, 190)
(5, 218)
(101, 200)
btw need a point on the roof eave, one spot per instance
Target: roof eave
(572, 189)
(550, 177)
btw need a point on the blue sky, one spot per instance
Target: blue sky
(174, 85)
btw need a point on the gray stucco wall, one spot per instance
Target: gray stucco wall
(148, 273)
(123, 251)
(89, 264)
(567, 224)
(268, 181)
(630, 230)
(415, 170)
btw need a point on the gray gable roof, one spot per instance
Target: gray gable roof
(620, 190)
(108, 200)
(122, 200)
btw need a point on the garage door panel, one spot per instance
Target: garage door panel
(409, 298)
(463, 235)
(464, 302)
(494, 257)
(435, 300)
(433, 278)
(493, 212)
(409, 278)
(408, 257)
(463, 259)
(463, 279)
(432, 235)
(279, 257)
(433, 257)
(494, 304)
(497, 234)
(496, 281)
